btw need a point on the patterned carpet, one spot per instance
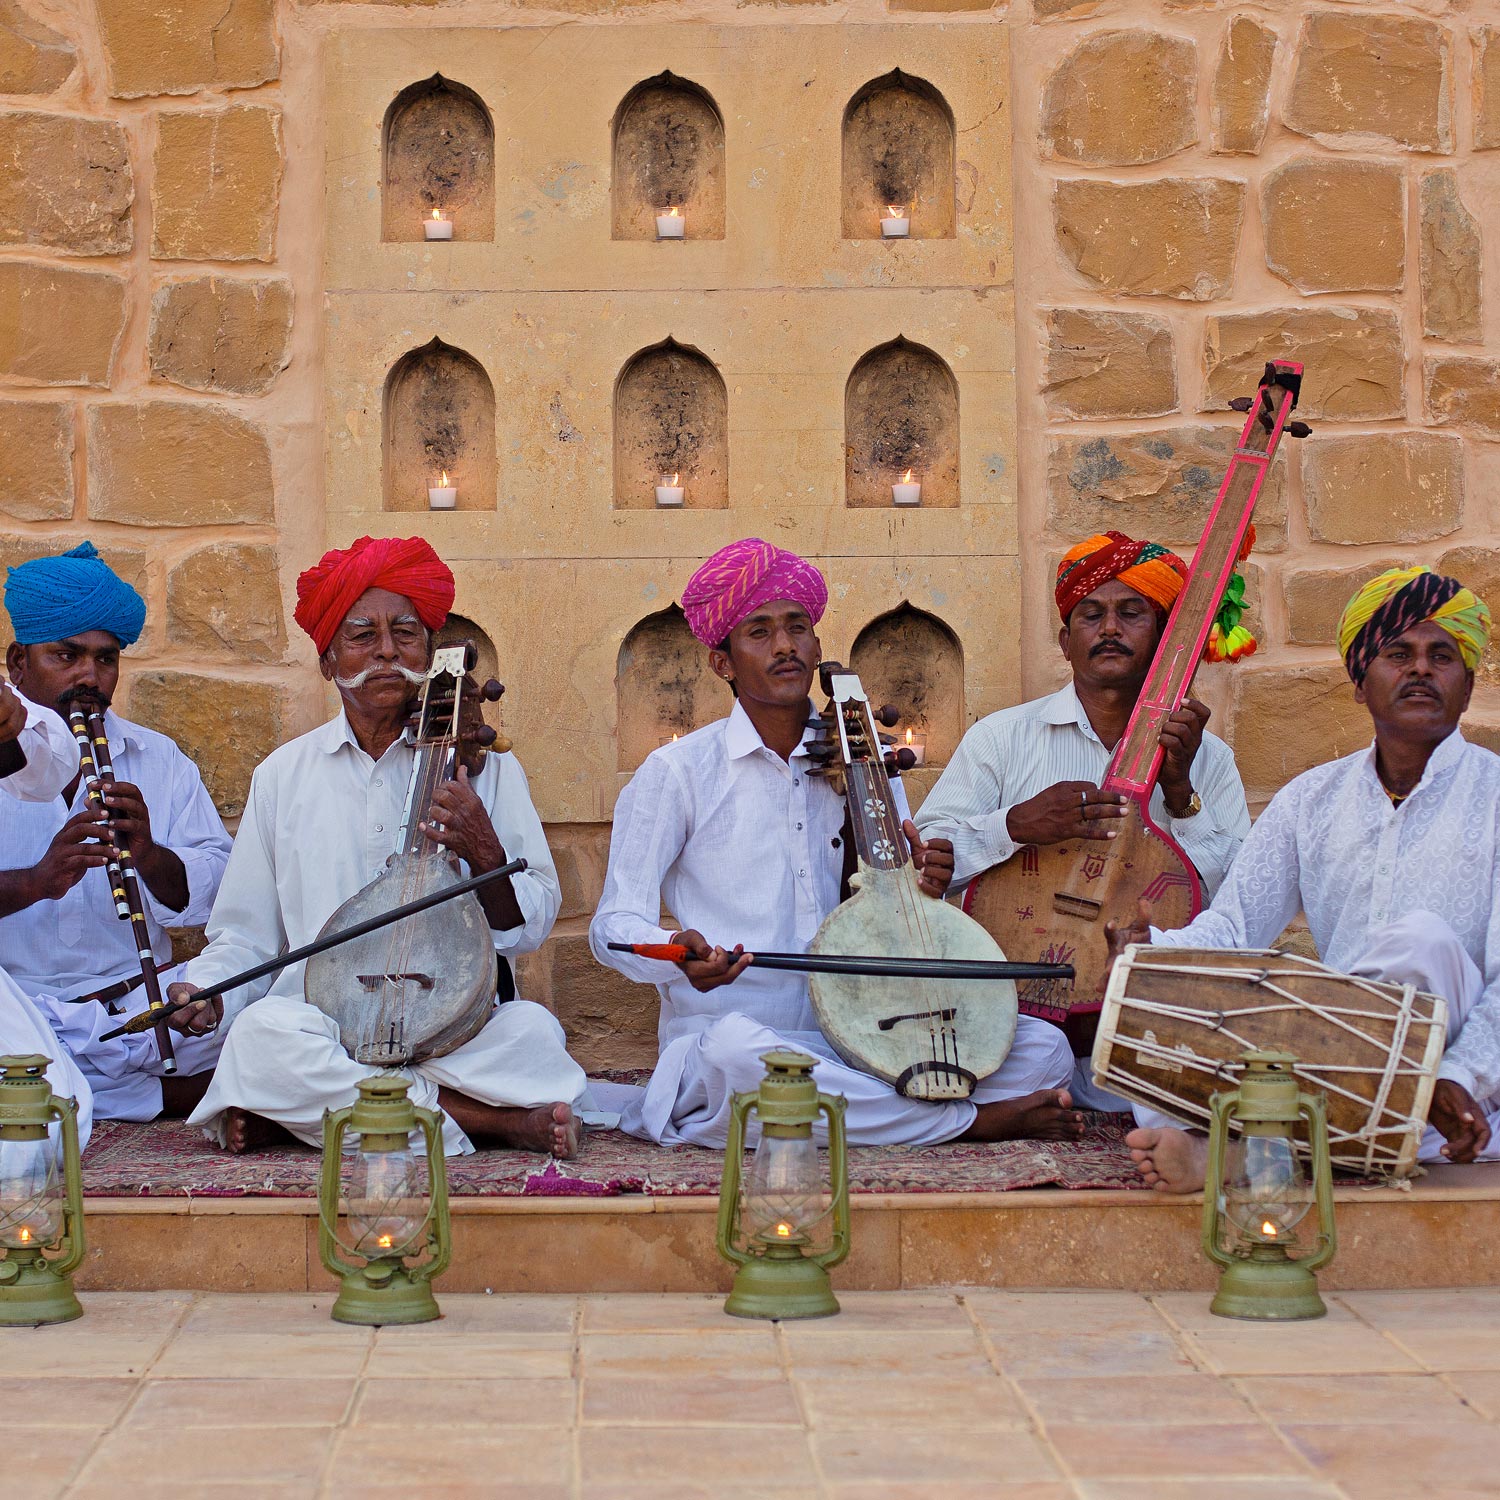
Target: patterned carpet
(169, 1158)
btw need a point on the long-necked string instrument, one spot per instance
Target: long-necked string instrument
(144, 1022)
(424, 985)
(930, 1038)
(98, 772)
(1051, 903)
(861, 963)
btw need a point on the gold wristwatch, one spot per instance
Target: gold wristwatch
(1194, 807)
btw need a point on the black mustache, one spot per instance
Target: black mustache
(1104, 646)
(70, 696)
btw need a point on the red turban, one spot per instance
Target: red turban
(1146, 567)
(741, 577)
(405, 565)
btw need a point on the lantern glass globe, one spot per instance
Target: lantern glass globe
(784, 1191)
(1267, 1192)
(387, 1209)
(31, 1194)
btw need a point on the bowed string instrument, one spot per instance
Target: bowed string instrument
(98, 772)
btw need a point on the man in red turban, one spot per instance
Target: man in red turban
(324, 814)
(1033, 774)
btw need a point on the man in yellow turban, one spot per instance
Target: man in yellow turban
(1393, 853)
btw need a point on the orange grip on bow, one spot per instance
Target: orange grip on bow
(672, 953)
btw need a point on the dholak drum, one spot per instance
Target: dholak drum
(1177, 1020)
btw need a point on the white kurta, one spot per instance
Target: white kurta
(320, 822)
(745, 847)
(1009, 757)
(1332, 845)
(51, 755)
(24, 1031)
(56, 950)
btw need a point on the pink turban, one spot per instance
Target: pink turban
(405, 565)
(741, 577)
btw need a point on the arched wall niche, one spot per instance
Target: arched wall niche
(439, 413)
(899, 147)
(438, 152)
(663, 686)
(911, 659)
(671, 417)
(900, 413)
(668, 151)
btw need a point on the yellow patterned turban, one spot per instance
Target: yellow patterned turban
(1393, 601)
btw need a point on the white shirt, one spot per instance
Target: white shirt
(1011, 756)
(737, 843)
(51, 756)
(320, 822)
(1332, 844)
(78, 943)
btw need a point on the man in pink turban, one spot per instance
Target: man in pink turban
(323, 815)
(727, 829)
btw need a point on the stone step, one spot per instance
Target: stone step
(1442, 1231)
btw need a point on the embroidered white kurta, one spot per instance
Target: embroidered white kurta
(56, 950)
(746, 848)
(1011, 756)
(1331, 844)
(51, 755)
(320, 822)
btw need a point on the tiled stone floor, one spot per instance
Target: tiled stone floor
(979, 1395)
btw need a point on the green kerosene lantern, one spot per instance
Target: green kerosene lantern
(1257, 1192)
(396, 1237)
(41, 1207)
(769, 1216)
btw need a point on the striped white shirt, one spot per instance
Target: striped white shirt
(1012, 755)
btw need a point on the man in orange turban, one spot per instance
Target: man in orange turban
(323, 815)
(1033, 774)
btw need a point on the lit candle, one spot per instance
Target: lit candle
(669, 739)
(669, 492)
(670, 225)
(437, 227)
(442, 496)
(895, 222)
(915, 740)
(908, 491)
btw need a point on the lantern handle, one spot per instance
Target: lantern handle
(1314, 1109)
(431, 1122)
(1213, 1180)
(729, 1185)
(833, 1107)
(73, 1249)
(335, 1122)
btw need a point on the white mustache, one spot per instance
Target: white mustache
(353, 684)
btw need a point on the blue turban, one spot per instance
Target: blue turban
(52, 598)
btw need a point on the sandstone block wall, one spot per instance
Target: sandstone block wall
(198, 312)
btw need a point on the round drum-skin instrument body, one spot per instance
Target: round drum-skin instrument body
(1177, 1022)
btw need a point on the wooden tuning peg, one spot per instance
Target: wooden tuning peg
(900, 760)
(1241, 403)
(1297, 429)
(491, 691)
(486, 736)
(888, 714)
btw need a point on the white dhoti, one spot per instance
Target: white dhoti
(25, 1032)
(282, 1060)
(689, 1096)
(1419, 949)
(125, 1074)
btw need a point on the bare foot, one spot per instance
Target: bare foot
(1047, 1115)
(548, 1127)
(1170, 1160)
(246, 1132)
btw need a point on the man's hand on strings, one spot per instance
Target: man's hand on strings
(12, 714)
(1069, 810)
(459, 822)
(197, 1017)
(80, 845)
(1181, 735)
(710, 965)
(1459, 1120)
(933, 861)
(1119, 935)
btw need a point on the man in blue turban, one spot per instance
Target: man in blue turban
(63, 942)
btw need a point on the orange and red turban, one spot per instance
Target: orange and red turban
(741, 577)
(1147, 567)
(405, 565)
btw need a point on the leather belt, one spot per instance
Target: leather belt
(118, 991)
